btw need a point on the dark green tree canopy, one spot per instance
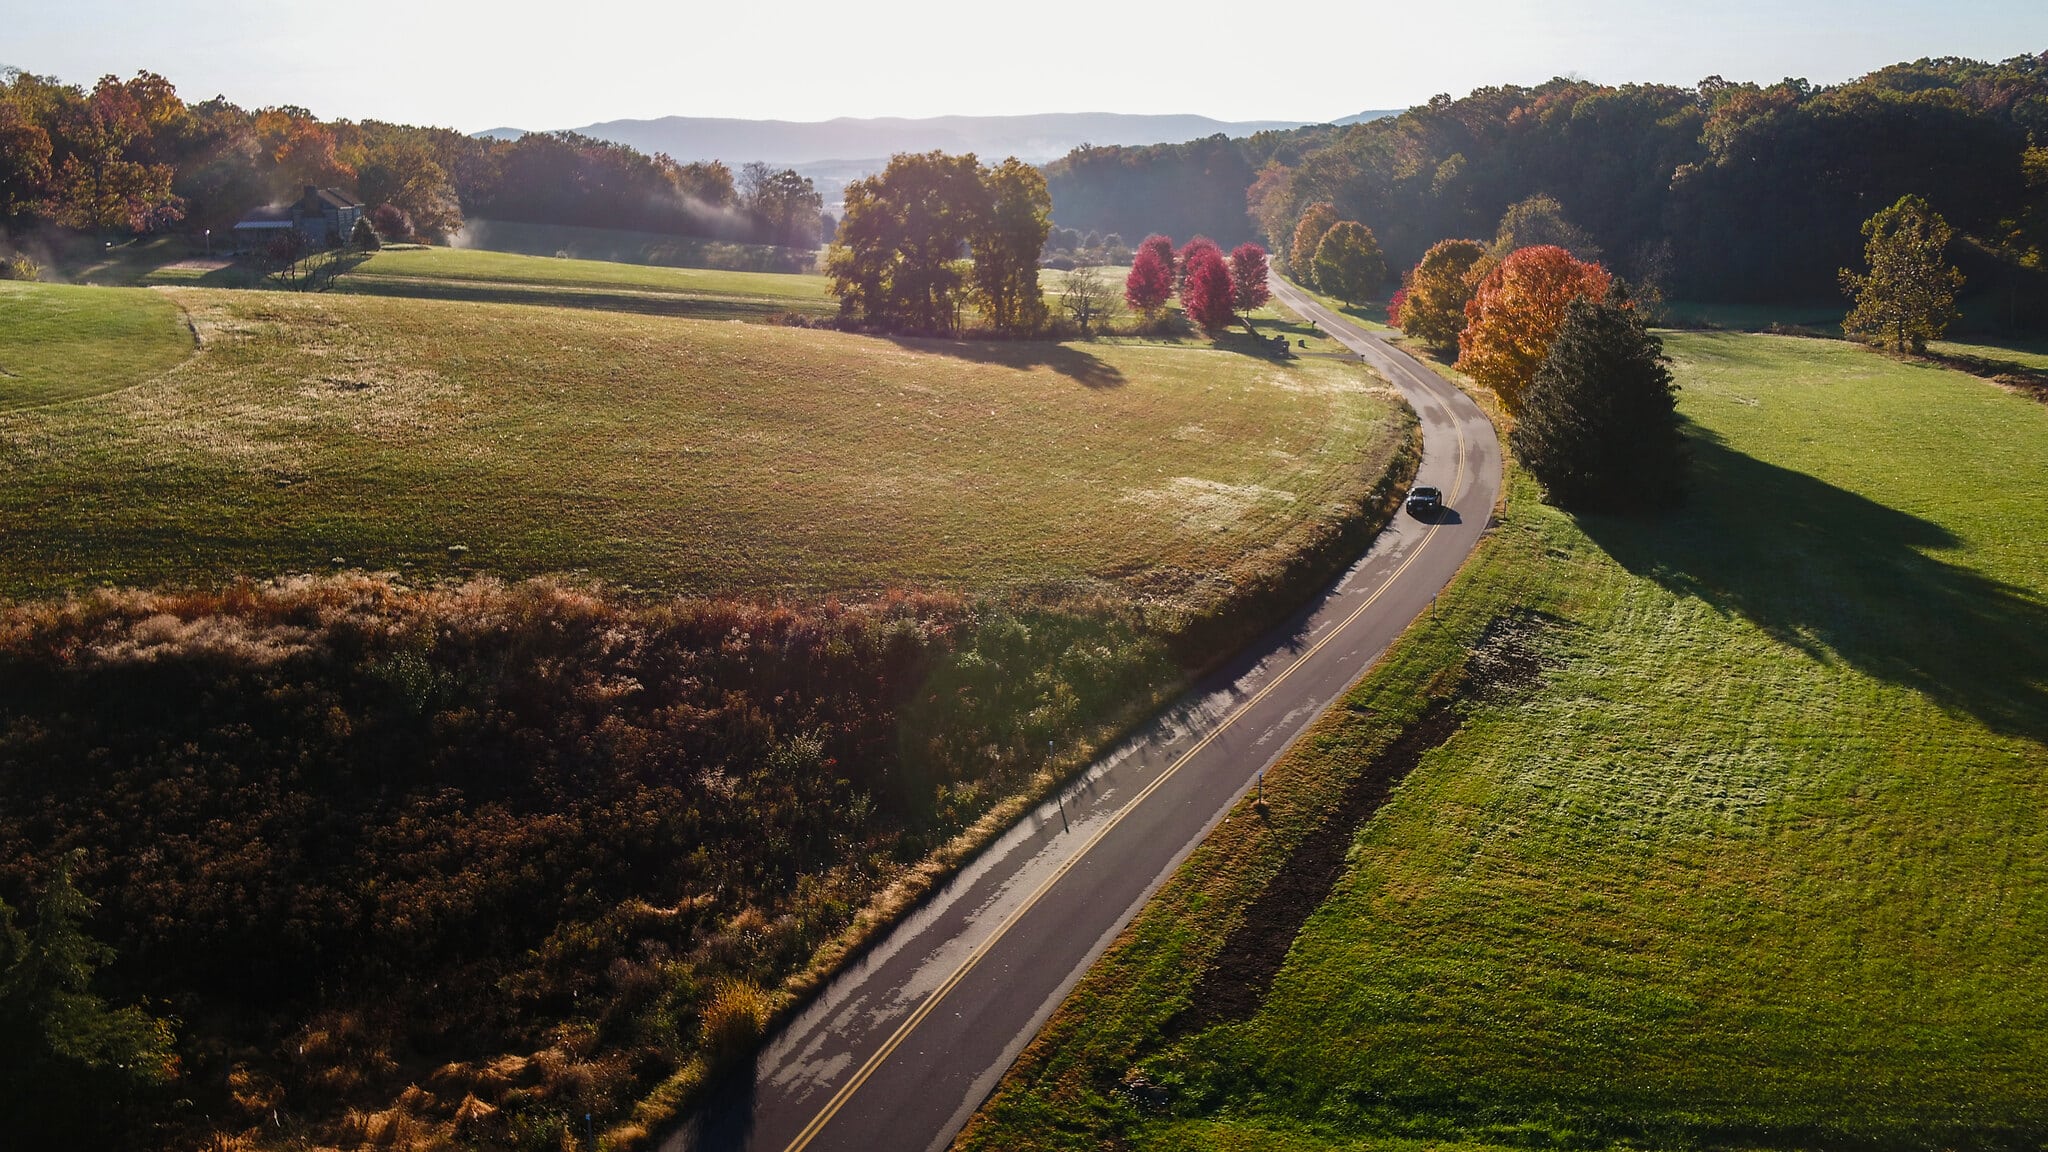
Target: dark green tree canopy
(1599, 425)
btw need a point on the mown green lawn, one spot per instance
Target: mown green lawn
(433, 437)
(2029, 354)
(1760, 861)
(61, 342)
(470, 265)
(481, 277)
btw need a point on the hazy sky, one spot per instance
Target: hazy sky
(474, 65)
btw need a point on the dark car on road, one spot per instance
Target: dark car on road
(1424, 500)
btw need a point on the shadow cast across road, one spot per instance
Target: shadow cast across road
(725, 1120)
(1076, 364)
(1842, 577)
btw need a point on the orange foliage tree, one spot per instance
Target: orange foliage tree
(1516, 313)
(1316, 221)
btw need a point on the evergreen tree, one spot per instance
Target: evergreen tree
(1909, 295)
(73, 1061)
(1599, 424)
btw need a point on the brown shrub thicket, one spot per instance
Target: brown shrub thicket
(503, 844)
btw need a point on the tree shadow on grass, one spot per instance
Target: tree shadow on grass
(1077, 364)
(1842, 577)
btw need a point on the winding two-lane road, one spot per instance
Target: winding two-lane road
(900, 1048)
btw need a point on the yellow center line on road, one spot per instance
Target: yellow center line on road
(903, 1031)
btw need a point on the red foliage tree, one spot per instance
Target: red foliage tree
(1395, 305)
(1248, 289)
(1180, 263)
(1150, 283)
(1206, 292)
(391, 222)
(1515, 314)
(1161, 246)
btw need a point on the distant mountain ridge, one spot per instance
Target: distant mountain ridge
(860, 142)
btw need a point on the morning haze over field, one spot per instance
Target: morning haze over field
(1361, 576)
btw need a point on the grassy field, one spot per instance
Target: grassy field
(2027, 354)
(433, 437)
(65, 343)
(629, 247)
(1753, 853)
(509, 278)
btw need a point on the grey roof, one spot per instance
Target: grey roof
(268, 214)
(335, 198)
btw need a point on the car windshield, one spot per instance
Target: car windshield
(1426, 493)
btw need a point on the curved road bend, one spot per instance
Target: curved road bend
(903, 1046)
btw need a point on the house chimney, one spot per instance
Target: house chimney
(312, 192)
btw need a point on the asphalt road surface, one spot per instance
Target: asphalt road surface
(904, 1045)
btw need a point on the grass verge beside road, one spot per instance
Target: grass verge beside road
(1730, 834)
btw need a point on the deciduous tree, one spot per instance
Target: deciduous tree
(1006, 244)
(1540, 220)
(391, 222)
(24, 163)
(1206, 291)
(400, 169)
(1438, 290)
(1516, 313)
(1316, 221)
(784, 205)
(1348, 262)
(1909, 295)
(1248, 288)
(1181, 265)
(1089, 297)
(1161, 246)
(1599, 426)
(1267, 201)
(98, 186)
(897, 262)
(1150, 283)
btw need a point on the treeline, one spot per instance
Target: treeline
(131, 157)
(1736, 192)
(1191, 189)
(347, 832)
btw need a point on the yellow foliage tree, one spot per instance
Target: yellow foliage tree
(1439, 288)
